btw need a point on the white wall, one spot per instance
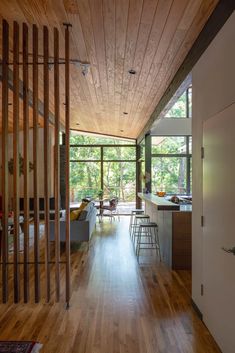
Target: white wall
(40, 162)
(213, 80)
(172, 127)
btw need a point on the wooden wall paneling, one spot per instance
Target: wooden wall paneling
(56, 162)
(46, 157)
(26, 160)
(67, 152)
(16, 159)
(5, 56)
(35, 162)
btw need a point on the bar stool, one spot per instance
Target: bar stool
(138, 219)
(148, 236)
(133, 213)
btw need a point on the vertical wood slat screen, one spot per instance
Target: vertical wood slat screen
(26, 160)
(16, 158)
(67, 144)
(4, 245)
(35, 160)
(35, 284)
(56, 161)
(46, 157)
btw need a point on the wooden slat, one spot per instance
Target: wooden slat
(46, 158)
(35, 162)
(26, 161)
(5, 55)
(16, 159)
(56, 162)
(67, 152)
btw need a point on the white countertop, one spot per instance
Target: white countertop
(160, 202)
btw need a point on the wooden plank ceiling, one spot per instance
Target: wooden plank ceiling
(151, 37)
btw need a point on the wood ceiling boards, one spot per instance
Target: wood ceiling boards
(152, 37)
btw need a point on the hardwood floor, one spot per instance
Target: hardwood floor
(117, 306)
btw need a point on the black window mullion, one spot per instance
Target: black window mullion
(102, 167)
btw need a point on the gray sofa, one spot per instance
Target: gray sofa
(81, 229)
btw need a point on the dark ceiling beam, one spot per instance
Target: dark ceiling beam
(40, 103)
(221, 13)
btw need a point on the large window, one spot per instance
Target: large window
(171, 164)
(183, 106)
(98, 163)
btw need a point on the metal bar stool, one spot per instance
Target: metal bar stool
(138, 219)
(133, 213)
(148, 236)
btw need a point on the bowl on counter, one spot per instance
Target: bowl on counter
(160, 193)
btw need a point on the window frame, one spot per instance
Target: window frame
(186, 155)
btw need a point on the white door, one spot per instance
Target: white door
(219, 228)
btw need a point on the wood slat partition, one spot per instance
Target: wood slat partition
(67, 152)
(26, 160)
(35, 162)
(46, 159)
(16, 159)
(56, 162)
(31, 252)
(5, 57)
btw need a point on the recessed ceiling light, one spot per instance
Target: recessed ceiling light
(125, 113)
(132, 72)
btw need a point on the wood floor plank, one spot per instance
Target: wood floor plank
(117, 306)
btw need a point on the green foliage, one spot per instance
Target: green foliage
(85, 177)
(169, 173)
(179, 108)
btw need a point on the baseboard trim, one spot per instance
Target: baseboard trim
(197, 310)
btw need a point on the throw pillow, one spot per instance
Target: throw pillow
(83, 205)
(74, 214)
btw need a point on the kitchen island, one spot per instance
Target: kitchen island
(174, 227)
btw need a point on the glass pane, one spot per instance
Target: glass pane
(77, 139)
(84, 153)
(166, 145)
(191, 176)
(84, 180)
(179, 108)
(142, 175)
(169, 175)
(120, 180)
(190, 102)
(119, 153)
(190, 144)
(142, 150)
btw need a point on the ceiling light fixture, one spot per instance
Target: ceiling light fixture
(132, 72)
